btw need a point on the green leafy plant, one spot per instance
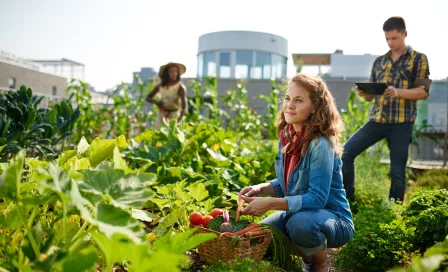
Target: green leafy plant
(434, 259)
(39, 130)
(356, 114)
(433, 179)
(272, 104)
(65, 218)
(244, 265)
(382, 240)
(240, 116)
(427, 212)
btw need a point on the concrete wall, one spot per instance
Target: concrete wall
(39, 82)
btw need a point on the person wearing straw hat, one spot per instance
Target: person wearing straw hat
(171, 92)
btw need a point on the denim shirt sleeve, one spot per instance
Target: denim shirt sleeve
(320, 176)
(277, 187)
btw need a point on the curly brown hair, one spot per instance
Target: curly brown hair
(324, 122)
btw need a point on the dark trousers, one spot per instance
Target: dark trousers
(398, 138)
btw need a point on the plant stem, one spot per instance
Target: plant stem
(64, 220)
(21, 256)
(84, 225)
(79, 240)
(29, 234)
(33, 214)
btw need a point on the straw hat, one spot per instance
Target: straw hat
(180, 66)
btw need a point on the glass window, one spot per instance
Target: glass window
(243, 63)
(12, 83)
(209, 63)
(224, 65)
(262, 67)
(284, 60)
(278, 66)
(54, 91)
(256, 72)
(201, 65)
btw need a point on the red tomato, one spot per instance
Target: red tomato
(215, 212)
(196, 218)
(206, 220)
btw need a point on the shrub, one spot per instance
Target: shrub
(244, 265)
(427, 212)
(435, 179)
(381, 239)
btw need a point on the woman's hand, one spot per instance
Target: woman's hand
(258, 206)
(253, 190)
(265, 189)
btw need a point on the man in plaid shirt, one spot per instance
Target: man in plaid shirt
(406, 72)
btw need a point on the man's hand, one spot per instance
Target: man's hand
(258, 206)
(392, 92)
(367, 97)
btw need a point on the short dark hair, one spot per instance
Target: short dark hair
(395, 22)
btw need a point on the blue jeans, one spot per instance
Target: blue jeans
(398, 136)
(312, 231)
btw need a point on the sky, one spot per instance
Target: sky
(115, 38)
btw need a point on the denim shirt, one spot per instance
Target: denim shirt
(316, 183)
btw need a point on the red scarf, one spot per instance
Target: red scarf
(292, 147)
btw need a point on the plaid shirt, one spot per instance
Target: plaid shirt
(409, 71)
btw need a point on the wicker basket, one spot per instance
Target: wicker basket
(221, 248)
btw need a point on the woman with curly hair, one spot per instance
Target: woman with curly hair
(308, 191)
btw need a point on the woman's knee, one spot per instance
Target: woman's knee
(304, 230)
(277, 220)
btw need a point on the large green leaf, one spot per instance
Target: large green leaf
(76, 163)
(30, 118)
(109, 219)
(182, 242)
(34, 165)
(81, 261)
(119, 162)
(198, 191)
(83, 146)
(64, 157)
(118, 248)
(141, 215)
(11, 177)
(140, 256)
(122, 190)
(52, 115)
(8, 217)
(55, 178)
(101, 150)
(179, 171)
(216, 155)
(169, 220)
